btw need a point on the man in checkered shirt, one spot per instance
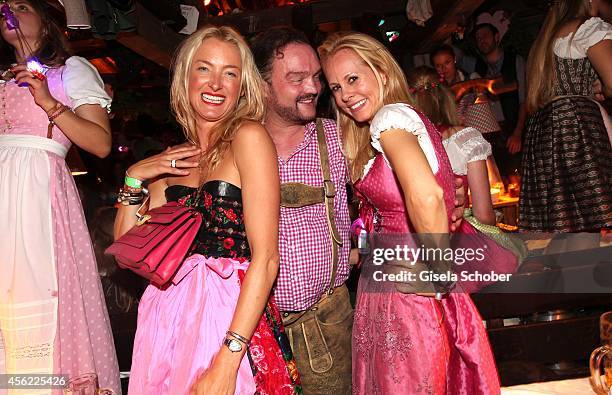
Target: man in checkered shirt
(321, 335)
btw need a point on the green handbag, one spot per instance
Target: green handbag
(513, 244)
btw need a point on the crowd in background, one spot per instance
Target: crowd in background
(406, 138)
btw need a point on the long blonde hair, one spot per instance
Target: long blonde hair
(356, 136)
(434, 99)
(541, 64)
(250, 106)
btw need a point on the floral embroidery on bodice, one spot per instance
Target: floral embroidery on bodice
(222, 233)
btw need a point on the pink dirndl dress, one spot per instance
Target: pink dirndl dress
(53, 316)
(182, 325)
(405, 343)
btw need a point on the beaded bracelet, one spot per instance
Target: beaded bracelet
(127, 188)
(55, 112)
(59, 112)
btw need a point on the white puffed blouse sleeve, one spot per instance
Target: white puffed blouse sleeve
(591, 32)
(465, 146)
(402, 116)
(83, 84)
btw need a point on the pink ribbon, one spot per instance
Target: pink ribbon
(224, 267)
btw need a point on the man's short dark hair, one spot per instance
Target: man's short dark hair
(487, 25)
(269, 45)
(445, 48)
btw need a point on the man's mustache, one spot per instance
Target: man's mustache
(309, 96)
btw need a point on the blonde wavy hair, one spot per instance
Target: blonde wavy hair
(356, 136)
(541, 61)
(250, 106)
(433, 99)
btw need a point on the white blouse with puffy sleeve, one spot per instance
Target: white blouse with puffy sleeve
(83, 84)
(575, 45)
(401, 116)
(465, 146)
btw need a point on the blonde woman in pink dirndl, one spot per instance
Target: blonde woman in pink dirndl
(53, 317)
(407, 342)
(214, 327)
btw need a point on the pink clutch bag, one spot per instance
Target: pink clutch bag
(157, 245)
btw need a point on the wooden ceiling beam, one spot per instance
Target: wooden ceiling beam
(323, 11)
(88, 45)
(448, 16)
(157, 42)
(333, 11)
(152, 39)
(249, 22)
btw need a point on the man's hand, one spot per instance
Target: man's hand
(457, 215)
(514, 142)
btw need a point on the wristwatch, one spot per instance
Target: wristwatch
(232, 344)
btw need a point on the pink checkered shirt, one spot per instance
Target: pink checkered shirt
(304, 239)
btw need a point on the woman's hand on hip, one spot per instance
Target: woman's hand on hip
(162, 163)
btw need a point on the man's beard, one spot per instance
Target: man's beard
(291, 114)
(488, 49)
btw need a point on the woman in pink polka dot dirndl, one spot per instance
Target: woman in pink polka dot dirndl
(53, 317)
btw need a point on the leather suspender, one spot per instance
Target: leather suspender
(329, 191)
(295, 194)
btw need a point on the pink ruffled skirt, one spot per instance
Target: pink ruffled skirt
(181, 328)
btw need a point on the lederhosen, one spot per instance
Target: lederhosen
(324, 365)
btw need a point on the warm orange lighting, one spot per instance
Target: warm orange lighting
(498, 86)
(480, 99)
(495, 194)
(495, 87)
(513, 190)
(105, 65)
(228, 7)
(495, 180)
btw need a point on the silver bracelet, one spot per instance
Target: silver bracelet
(238, 337)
